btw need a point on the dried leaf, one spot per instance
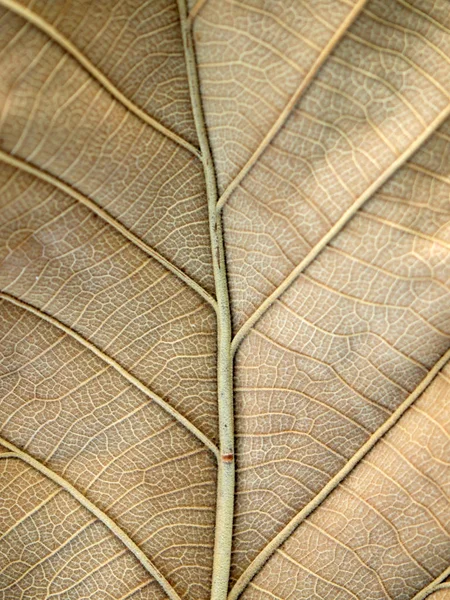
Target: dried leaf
(225, 308)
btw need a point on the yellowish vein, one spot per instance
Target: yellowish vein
(110, 361)
(103, 517)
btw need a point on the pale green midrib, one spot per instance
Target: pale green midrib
(115, 365)
(117, 531)
(226, 463)
(57, 37)
(393, 168)
(348, 468)
(336, 229)
(105, 216)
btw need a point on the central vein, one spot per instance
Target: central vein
(226, 463)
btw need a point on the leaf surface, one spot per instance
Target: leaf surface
(224, 300)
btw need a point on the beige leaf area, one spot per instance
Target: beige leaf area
(225, 300)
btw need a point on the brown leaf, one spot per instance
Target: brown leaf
(224, 300)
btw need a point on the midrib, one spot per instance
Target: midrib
(226, 460)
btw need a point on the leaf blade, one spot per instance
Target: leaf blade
(99, 437)
(112, 238)
(99, 514)
(284, 534)
(431, 404)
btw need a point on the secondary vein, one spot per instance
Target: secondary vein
(337, 227)
(284, 115)
(97, 512)
(434, 586)
(55, 35)
(103, 214)
(110, 361)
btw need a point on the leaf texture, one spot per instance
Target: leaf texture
(224, 300)
(74, 537)
(370, 538)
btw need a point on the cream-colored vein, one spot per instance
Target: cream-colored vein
(282, 536)
(93, 509)
(105, 216)
(309, 76)
(435, 585)
(424, 15)
(54, 34)
(292, 560)
(115, 365)
(337, 227)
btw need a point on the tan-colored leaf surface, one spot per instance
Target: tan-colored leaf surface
(371, 537)
(49, 538)
(224, 299)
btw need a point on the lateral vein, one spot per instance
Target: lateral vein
(103, 214)
(348, 468)
(97, 512)
(285, 113)
(56, 36)
(434, 586)
(115, 365)
(337, 227)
